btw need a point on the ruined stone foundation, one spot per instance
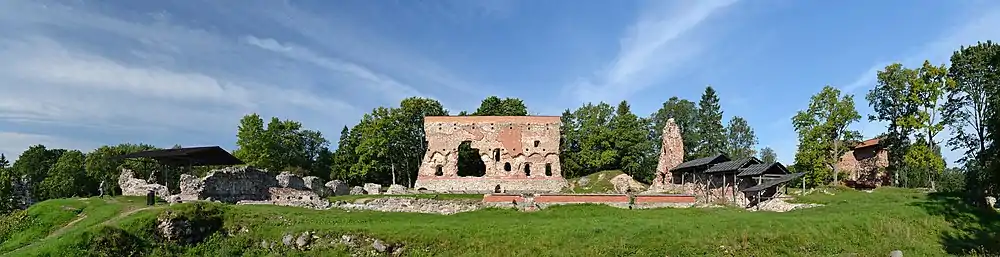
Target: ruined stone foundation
(521, 154)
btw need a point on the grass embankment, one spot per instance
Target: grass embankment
(851, 223)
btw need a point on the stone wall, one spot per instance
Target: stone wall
(133, 186)
(230, 185)
(866, 166)
(248, 185)
(520, 152)
(671, 155)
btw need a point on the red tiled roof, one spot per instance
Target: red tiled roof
(867, 143)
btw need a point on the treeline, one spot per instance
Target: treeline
(918, 103)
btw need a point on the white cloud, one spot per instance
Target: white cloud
(660, 39)
(13, 143)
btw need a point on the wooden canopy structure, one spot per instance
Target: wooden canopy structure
(186, 158)
(728, 170)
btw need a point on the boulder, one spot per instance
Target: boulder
(396, 189)
(289, 180)
(315, 184)
(357, 190)
(338, 187)
(991, 201)
(583, 181)
(624, 183)
(373, 189)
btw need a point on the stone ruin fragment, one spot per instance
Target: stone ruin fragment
(671, 155)
(248, 185)
(338, 187)
(132, 186)
(521, 154)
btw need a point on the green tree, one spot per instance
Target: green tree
(101, 166)
(66, 178)
(374, 150)
(35, 163)
(740, 139)
(588, 143)
(711, 133)
(631, 140)
(7, 203)
(824, 134)
(412, 142)
(923, 163)
(282, 146)
(968, 107)
(685, 114)
(344, 156)
(767, 155)
(252, 143)
(494, 106)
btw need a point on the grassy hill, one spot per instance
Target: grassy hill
(851, 223)
(598, 182)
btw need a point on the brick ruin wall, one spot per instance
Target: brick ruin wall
(866, 166)
(521, 153)
(671, 155)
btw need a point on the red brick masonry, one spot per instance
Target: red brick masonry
(580, 198)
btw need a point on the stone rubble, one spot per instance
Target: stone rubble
(779, 205)
(357, 245)
(411, 204)
(358, 190)
(289, 180)
(338, 188)
(249, 185)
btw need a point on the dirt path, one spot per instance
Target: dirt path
(63, 229)
(129, 212)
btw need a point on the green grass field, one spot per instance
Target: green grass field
(851, 223)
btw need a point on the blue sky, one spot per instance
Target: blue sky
(80, 74)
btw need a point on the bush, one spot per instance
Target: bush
(952, 180)
(12, 223)
(113, 241)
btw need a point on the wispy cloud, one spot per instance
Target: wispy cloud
(660, 39)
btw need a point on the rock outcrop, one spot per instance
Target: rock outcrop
(671, 155)
(373, 189)
(338, 187)
(133, 186)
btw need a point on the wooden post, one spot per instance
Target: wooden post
(723, 186)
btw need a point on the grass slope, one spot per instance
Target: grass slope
(597, 183)
(851, 223)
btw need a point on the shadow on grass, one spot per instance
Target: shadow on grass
(977, 230)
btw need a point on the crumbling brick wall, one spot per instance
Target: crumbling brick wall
(521, 153)
(865, 166)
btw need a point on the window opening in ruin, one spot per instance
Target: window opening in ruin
(548, 169)
(470, 161)
(536, 143)
(527, 170)
(439, 171)
(506, 166)
(496, 155)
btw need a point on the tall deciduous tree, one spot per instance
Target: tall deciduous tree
(685, 114)
(740, 139)
(712, 135)
(823, 132)
(100, 166)
(411, 143)
(35, 163)
(974, 72)
(66, 178)
(589, 142)
(282, 146)
(767, 155)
